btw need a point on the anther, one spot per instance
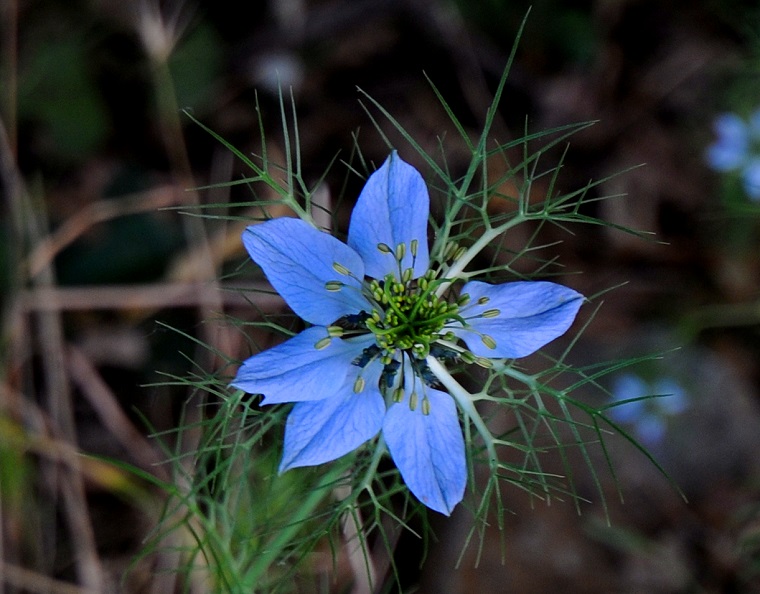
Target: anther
(488, 341)
(334, 331)
(398, 395)
(483, 300)
(400, 251)
(413, 401)
(340, 269)
(359, 385)
(413, 247)
(451, 247)
(425, 406)
(322, 343)
(467, 357)
(383, 247)
(334, 286)
(490, 313)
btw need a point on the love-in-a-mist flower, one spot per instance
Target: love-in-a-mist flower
(383, 318)
(737, 148)
(647, 416)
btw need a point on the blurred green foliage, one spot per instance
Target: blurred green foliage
(57, 92)
(557, 34)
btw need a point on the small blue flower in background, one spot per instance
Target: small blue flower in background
(380, 311)
(737, 148)
(648, 417)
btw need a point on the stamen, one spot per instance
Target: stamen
(488, 341)
(483, 300)
(334, 286)
(400, 251)
(490, 313)
(323, 343)
(383, 247)
(335, 331)
(451, 247)
(413, 247)
(340, 269)
(398, 395)
(425, 406)
(413, 401)
(421, 350)
(359, 385)
(467, 357)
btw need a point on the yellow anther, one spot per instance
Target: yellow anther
(334, 286)
(490, 313)
(451, 247)
(413, 401)
(488, 341)
(359, 385)
(340, 269)
(322, 343)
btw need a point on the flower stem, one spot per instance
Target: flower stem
(452, 273)
(464, 399)
(369, 475)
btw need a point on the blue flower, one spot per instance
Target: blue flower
(379, 310)
(737, 148)
(647, 416)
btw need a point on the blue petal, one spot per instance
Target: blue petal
(530, 315)
(650, 429)
(298, 260)
(318, 432)
(675, 399)
(296, 370)
(751, 179)
(627, 387)
(428, 449)
(392, 209)
(730, 149)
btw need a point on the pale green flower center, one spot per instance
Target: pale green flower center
(408, 315)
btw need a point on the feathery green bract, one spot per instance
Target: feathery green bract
(245, 528)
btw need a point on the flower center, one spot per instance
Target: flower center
(408, 315)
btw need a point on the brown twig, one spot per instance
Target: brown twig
(145, 297)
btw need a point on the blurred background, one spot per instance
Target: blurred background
(97, 162)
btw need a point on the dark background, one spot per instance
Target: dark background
(94, 145)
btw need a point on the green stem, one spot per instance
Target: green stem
(452, 273)
(372, 468)
(288, 532)
(464, 399)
